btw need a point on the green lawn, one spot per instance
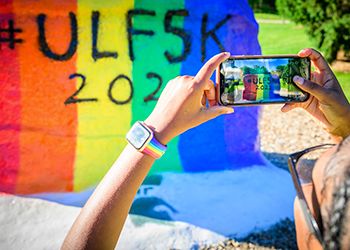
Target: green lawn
(289, 38)
(286, 38)
(267, 16)
(344, 80)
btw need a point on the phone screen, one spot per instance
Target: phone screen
(262, 80)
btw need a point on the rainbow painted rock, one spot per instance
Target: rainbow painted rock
(75, 75)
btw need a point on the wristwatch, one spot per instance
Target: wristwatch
(142, 139)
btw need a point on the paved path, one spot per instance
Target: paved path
(285, 133)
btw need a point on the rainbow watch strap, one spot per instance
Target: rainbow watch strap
(154, 149)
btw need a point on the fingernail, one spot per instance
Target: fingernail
(230, 111)
(298, 79)
(227, 53)
(303, 51)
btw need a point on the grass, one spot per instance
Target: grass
(267, 16)
(286, 38)
(344, 80)
(289, 38)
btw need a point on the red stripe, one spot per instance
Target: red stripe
(9, 106)
(48, 135)
(151, 153)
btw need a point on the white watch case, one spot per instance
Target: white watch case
(139, 136)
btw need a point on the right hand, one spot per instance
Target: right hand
(327, 102)
(182, 104)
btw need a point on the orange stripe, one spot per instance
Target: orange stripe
(48, 132)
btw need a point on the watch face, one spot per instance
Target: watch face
(138, 135)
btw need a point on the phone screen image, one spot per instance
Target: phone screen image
(256, 80)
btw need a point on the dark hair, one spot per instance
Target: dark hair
(337, 217)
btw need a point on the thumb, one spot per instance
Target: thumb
(313, 88)
(215, 111)
(288, 107)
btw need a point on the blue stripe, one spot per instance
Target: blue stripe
(212, 146)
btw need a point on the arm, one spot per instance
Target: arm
(327, 102)
(181, 106)
(101, 220)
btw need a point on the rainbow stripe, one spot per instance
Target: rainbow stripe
(155, 149)
(49, 141)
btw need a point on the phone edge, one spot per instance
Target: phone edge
(217, 78)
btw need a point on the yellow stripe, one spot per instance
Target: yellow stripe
(102, 125)
(154, 149)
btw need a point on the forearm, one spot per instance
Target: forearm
(100, 222)
(180, 107)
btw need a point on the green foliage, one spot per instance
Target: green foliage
(247, 70)
(326, 21)
(256, 70)
(266, 6)
(261, 70)
(279, 38)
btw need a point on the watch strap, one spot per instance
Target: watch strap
(154, 148)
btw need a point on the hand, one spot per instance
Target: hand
(327, 102)
(182, 104)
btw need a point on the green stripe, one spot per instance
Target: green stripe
(149, 57)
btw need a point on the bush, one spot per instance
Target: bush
(264, 6)
(326, 21)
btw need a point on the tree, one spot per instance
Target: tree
(327, 21)
(247, 70)
(265, 6)
(260, 70)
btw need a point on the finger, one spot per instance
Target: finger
(203, 101)
(313, 88)
(315, 77)
(287, 107)
(316, 57)
(210, 93)
(215, 111)
(208, 68)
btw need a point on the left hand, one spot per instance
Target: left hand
(327, 102)
(182, 104)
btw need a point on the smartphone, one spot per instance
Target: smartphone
(253, 80)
